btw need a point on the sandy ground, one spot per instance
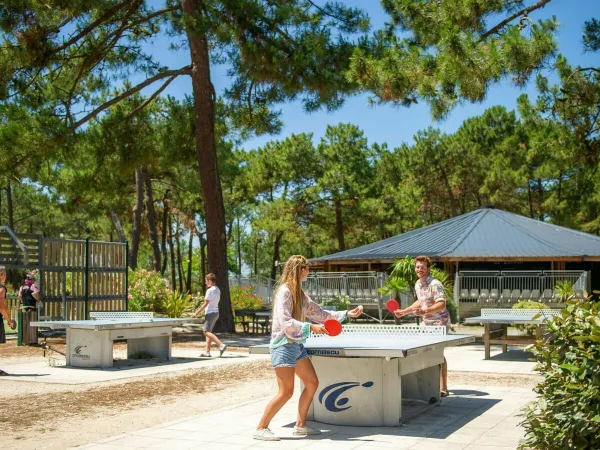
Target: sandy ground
(47, 416)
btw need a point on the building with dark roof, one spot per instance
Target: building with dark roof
(484, 239)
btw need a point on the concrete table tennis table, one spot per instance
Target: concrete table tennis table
(376, 375)
(496, 321)
(90, 342)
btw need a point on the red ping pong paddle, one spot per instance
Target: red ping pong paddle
(392, 305)
(333, 327)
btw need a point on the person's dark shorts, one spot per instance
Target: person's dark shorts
(209, 321)
(287, 355)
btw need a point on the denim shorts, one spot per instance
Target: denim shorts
(286, 355)
(210, 320)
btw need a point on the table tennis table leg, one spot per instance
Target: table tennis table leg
(486, 340)
(504, 338)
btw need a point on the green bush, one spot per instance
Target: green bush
(527, 304)
(243, 298)
(176, 304)
(567, 412)
(147, 290)
(341, 302)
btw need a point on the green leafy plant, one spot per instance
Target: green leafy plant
(566, 414)
(176, 304)
(564, 291)
(147, 290)
(341, 302)
(527, 304)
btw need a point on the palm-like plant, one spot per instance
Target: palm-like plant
(564, 291)
(177, 303)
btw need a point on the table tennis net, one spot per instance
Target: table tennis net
(383, 331)
(519, 313)
(122, 315)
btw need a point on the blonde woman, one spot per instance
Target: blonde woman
(290, 329)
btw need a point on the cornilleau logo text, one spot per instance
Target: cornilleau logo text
(323, 352)
(78, 354)
(330, 396)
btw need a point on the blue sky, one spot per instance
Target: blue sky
(395, 125)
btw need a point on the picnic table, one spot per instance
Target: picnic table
(252, 319)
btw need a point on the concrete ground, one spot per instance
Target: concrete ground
(473, 417)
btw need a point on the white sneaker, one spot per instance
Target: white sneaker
(264, 434)
(306, 431)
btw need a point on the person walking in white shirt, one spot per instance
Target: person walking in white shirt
(211, 304)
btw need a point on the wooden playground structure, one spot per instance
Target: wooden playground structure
(75, 277)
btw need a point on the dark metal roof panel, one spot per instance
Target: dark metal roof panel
(482, 233)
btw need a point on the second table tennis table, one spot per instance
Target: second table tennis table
(90, 342)
(496, 322)
(369, 374)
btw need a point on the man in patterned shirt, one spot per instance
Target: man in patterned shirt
(431, 304)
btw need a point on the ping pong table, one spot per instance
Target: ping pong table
(376, 375)
(90, 342)
(496, 321)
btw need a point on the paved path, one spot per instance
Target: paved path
(475, 417)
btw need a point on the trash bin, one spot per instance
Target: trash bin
(30, 336)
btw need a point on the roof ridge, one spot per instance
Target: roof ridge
(543, 241)
(467, 231)
(570, 230)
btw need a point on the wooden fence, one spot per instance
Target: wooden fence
(74, 276)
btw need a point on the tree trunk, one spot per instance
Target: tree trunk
(118, 226)
(9, 208)
(179, 258)
(212, 194)
(172, 251)
(137, 219)
(540, 189)
(239, 247)
(202, 264)
(188, 286)
(165, 216)
(339, 224)
(151, 220)
(530, 197)
(276, 254)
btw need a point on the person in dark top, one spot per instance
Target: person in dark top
(29, 293)
(4, 313)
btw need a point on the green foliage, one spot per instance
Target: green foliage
(527, 304)
(176, 304)
(563, 291)
(147, 290)
(243, 298)
(448, 52)
(567, 412)
(341, 302)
